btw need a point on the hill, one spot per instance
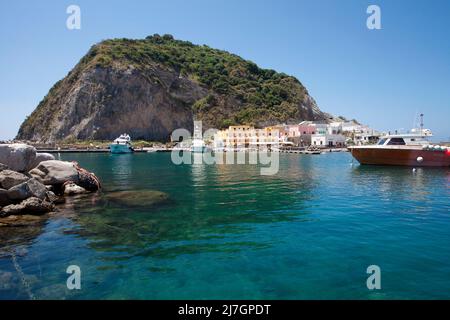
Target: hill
(150, 87)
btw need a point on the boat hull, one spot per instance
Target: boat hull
(120, 148)
(401, 157)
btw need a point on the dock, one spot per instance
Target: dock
(315, 151)
(145, 150)
(94, 150)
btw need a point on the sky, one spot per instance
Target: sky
(384, 78)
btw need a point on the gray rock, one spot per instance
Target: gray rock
(3, 167)
(9, 179)
(72, 189)
(53, 198)
(53, 172)
(30, 188)
(42, 157)
(18, 157)
(32, 206)
(4, 199)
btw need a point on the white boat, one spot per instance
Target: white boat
(198, 145)
(121, 145)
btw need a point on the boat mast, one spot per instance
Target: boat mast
(421, 122)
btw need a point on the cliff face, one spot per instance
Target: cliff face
(148, 88)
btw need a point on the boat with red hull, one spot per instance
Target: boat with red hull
(410, 149)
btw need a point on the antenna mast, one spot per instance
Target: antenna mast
(421, 122)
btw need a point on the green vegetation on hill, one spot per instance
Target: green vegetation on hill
(220, 88)
(264, 94)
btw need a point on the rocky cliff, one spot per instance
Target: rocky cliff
(150, 87)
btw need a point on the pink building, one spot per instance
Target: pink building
(306, 127)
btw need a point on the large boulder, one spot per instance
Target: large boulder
(3, 167)
(4, 199)
(40, 157)
(31, 206)
(18, 157)
(30, 188)
(9, 179)
(55, 172)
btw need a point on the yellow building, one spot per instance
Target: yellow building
(244, 136)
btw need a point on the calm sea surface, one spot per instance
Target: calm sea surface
(226, 232)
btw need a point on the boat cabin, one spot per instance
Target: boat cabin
(413, 138)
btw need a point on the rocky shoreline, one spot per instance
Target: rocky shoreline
(31, 183)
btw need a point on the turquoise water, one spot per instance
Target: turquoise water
(226, 232)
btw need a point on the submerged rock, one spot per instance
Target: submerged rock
(18, 157)
(30, 188)
(53, 172)
(31, 206)
(9, 179)
(139, 198)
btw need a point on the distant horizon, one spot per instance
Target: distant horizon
(382, 78)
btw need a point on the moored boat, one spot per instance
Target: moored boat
(409, 149)
(121, 145)
(198, 145)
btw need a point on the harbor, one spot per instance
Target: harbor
(319, 218)
(225, 157)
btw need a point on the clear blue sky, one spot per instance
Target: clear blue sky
(381, 77)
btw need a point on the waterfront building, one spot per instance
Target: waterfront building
(351, 126)
(244, 137)
(366, 137)
(328, 140)
(306, 128)
(334, 128)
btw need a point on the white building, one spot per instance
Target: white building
(328, 140)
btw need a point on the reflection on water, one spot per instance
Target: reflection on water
(225, 231)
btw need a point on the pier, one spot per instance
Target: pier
(295, 150)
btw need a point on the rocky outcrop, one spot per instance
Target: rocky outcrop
(40, 157)
(148, 88)
(27, 189)
(9, 179)
(36, 192)
(32, 206)
(54, 172)
(18, 157)
(21, 157)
